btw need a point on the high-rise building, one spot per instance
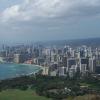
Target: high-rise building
(17, 58)
(84, 65)
(62, 71)
(91, 65)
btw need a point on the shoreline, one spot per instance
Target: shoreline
(37, 70)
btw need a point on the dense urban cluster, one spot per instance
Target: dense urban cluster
(55, 61)
(79, 65)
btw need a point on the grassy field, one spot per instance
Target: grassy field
(20, 95)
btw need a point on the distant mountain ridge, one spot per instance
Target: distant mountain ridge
(94, 42)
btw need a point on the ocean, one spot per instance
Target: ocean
(15, 70)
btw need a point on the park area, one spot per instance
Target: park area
(14, 94)
(49, 88)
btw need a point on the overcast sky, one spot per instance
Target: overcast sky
(39, 20)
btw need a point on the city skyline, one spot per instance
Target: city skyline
(49, 49)
(40, 20)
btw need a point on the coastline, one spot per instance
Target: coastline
(36, 69)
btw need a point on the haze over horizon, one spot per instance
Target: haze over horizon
(42, 20)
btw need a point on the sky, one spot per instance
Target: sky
(45, 20)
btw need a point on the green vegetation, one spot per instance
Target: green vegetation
(85, 97)
(20, 95)
(91, 83)
(57, 88)
(14, 94)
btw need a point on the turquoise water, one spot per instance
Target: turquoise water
(16, 70)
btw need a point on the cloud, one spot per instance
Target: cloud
(48, 9)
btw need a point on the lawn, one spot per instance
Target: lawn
(20, 95)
